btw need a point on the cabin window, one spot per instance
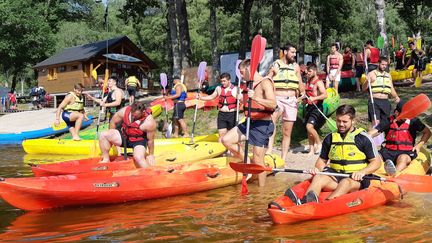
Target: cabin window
(61, 69)
(52, 74)
(74, 67)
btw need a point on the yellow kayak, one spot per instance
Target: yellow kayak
(403, 74)
(419, 166)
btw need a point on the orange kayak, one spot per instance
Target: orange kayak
(106, 187)
(284, 211)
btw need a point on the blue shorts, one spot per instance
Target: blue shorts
(259, 132)
(66, 118)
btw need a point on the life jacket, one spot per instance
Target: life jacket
(382, 83)
(334, 63)
(399, 137)
(310, 89)
(226, 98)
(183, 94)
(111, 99)
(347, 58)
(258, 111)
(374, 55)
(399, 54)
(286, 78)
(359, 59)
(408, 53)
(131, 129)
(344, 155)
(78, 104)
(132, 81)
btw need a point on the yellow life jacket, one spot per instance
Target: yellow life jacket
(408, 53)
(78, 104)
(183, 94)
(382, 83)
(286, 78)
(344, 155)
(132, 81)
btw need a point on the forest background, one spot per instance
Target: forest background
(179, 34)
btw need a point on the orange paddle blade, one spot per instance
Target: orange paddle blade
(249, 168)
(244, 189)
(414, 183)
(415, 107)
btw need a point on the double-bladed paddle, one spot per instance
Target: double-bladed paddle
(415, 107)
(408, 182)
(164, 82)
(201, 75)
(239, 79)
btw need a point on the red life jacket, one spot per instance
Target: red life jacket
(226, 98)
(347, 58)
(399, 54)
(258, 111)
(359, 59)
(131, 129)
(399, 137)
(374, 55)
(334, 63)
(309, 89)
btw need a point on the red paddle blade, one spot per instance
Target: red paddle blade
(415, 107)
(244, 189)
(414, 183)
(263, 45)
(249, 168)
(255, 55)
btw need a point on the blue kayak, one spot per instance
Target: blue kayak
(18, 137)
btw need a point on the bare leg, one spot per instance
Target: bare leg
(106, 139)
(402, 162)
(322, 182)
(183, 127)
(314, 136)
(336, 85)
(286, 137)
(138, 155)
(222, 133)
(345, 186)
(275, 117)
(258, 158)
(76, 117)
(176, 128)
(232, 140)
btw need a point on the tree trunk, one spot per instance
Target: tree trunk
(302, 27)
(14, 81)
(319, 42)
(213, 36)
(185, 49)
(379, 7)
(245, 28)
(276, 9)
(172, 23)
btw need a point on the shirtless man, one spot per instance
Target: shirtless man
(263, 101)
(334, 66)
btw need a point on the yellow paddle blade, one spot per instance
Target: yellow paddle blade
(60, 126)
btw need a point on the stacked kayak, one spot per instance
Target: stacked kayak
(91, 147)
(105, 187)
(18, 137)
(284, 211)
(189, 102)
(331, 103)
(398, 75)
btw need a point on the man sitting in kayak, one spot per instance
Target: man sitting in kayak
(228, 95)
(263, 104)
(72, 111)
(134, 127)
(400, 145)
(349, 150)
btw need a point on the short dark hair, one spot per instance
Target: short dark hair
(288, 46)
(138, 106)
(355, 49)
(312, 66)
(346, 110)
(245, 63)
(79, 86)
(114, 78)
(369, 42)
(225, 75)
(383, 58)
(335, 45)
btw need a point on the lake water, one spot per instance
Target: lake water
(220, 215)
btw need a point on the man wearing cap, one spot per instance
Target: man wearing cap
(178, 95)
(399, 145)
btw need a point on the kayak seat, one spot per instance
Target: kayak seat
(272, 203)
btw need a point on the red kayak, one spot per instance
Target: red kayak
(105, 187)
(284, 211)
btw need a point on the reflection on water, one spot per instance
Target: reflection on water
(218, 215)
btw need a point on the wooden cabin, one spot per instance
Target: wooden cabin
(86, 64)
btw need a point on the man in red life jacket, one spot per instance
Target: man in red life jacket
(334, 66)
(359, 66)
(263, 99)
(348, 59)
(400, 144)
(134, 127)
(228, 95)
(399, 56)
(372, 55)
(315, 94)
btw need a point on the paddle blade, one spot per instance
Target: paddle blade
(414, 183)
(256, 51)
(415, 107)
(331, 124)
(249, 168)
(263, 45)
(201, 71)
(378, 140)
(168, 130)
(244, 189)
(163, 80)
(237, 70)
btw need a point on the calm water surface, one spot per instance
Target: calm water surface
(218, 215)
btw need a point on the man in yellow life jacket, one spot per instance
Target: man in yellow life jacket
(179, 95)
(132, 84)
(349, 150)
(382, 88)
(288, 85)
(73, 111)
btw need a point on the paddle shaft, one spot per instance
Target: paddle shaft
(249, 84)
(238, 101)
(370, 87)
(328, 119)
(329, 174)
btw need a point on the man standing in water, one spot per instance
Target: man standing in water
(288, 84)
(263, 105)
(134, 127)
(73, 111)
(334, 66)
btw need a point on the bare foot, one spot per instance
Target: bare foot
(318, 148)
(76, 138)
(186, 135)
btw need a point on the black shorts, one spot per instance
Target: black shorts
(420, 64)
(359, 71)
(365, 183)
(372, 67)
(130, 144)
(66, 119)
(394, 154)
(132, 90)
(314, 117)
(179, 109)
(382, 109)
(259, 133)
(226, 120)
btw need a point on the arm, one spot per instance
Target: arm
(409, 62)
(118, 100)
(340, 58)
(270, 98)
(149, 127)
(116, 119)
(298, 73)
(328, 64)
(62, 105)
(212, 96)
(369, 77)
(425, 137)
(353, 61)
(393, 91)
(237, 93)
(365, 144)
(177, 94)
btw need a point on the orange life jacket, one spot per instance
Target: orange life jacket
(399, 137)
(226, 98)
(131, 129)
(258, 111)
